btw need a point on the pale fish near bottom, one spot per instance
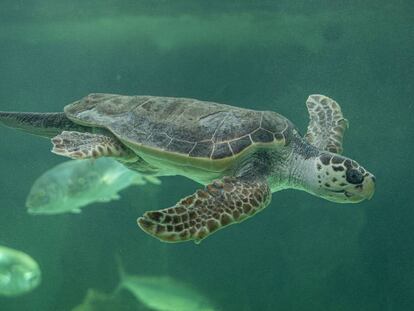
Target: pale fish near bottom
(164, 293)
(19, 273)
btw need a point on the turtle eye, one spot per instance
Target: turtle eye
(354, 176)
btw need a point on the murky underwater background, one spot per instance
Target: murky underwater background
(301, 253)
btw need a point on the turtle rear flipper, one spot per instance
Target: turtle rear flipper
(221, 203)
(76, 145)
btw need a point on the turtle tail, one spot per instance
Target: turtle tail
(45, 125)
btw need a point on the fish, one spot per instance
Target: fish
(96, 300)
(72, 185)
(164, 293)
(19, 273)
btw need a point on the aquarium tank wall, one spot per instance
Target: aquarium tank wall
(301, 252)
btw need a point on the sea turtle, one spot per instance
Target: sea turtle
(241, 155)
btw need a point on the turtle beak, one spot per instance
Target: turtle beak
(369, 186)
(366, 190)
(361, 192)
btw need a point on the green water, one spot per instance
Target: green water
(301, 253)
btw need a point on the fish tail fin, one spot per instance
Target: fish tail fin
(121, 273)
(120, 267)
(152, 179)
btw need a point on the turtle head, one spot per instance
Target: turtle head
(342, 180)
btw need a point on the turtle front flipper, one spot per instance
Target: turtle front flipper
(221, 203)
(76, 145)
(327, 124)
